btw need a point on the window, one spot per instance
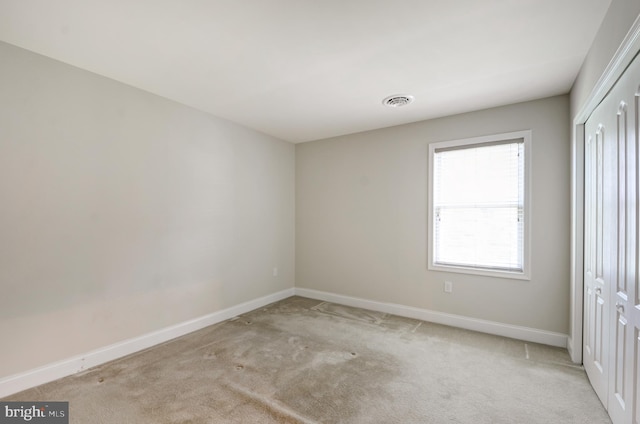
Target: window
(479, 205)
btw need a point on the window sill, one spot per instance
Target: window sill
(512, 275)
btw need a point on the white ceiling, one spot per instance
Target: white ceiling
(302, 70)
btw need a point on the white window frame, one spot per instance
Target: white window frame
(525, 274)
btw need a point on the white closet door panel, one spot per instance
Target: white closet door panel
(623, 406)
(599, 215)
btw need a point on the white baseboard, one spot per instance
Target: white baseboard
(22, 381)
(483, 326)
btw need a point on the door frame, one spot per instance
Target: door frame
(628, 49)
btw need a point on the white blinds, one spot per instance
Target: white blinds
(479, 206)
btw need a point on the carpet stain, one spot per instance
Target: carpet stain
(280, 411)
(350, 313)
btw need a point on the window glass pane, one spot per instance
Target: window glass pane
(479, 206)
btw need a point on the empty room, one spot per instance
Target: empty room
(283, 211)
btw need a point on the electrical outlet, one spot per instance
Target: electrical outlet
(448, 286)
(275, 271)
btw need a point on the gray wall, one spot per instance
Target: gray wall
(361, 218)
(122, 212)
(614, 27)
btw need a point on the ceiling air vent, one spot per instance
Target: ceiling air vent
(397, 100)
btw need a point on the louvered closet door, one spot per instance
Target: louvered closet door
(612, 304)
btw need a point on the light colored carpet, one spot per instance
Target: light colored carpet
(305, 361)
